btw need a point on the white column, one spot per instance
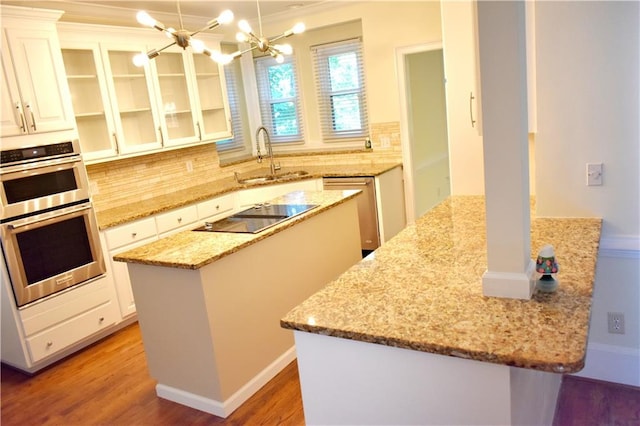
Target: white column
(503, 63)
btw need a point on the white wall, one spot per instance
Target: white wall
(588, 88)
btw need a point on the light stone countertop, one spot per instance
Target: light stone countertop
(422, 290)
(194, 250)
(202, 192)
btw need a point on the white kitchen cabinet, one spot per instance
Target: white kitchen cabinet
(177, 99)
(35, 95)
(41, 333)
(122, 238)
(390, 204)
(176, 220)
(216, 207)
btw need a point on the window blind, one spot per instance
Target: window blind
(342, 103)
(233, 75)
(279, 99)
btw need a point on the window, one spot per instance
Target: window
(279, 99)
(235, 93)
(339, 75)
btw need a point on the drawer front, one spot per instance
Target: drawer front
(130, 233)
(64, 306)
(216, 206)
(63, 335)
(176, 218)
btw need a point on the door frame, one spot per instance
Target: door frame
(405, 136)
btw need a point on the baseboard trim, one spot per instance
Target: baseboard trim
(225, 408)
(616, 364)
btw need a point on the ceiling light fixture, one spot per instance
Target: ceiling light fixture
(261, 43)
(181, 37)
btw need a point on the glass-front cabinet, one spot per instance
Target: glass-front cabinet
(213, 99)
(121, 110)
(91, 105)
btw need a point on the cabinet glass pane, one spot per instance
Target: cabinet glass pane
(132, 98)
(86, 96)
(93, 133)
(210, 93)
(174, 95)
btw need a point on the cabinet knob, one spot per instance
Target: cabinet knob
(134, 234)
(49, 344)
(101, 320)
(218, 207)
(179, 220)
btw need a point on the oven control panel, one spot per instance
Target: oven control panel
(37, 152)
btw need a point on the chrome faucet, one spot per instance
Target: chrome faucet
(267, 143)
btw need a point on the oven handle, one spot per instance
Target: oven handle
(58, 213)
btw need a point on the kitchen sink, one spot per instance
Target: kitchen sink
(270, 178)
(257, 218)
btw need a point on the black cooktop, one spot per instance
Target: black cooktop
(257, 218)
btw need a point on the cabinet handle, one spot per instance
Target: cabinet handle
(115, 139)
(161, 136)
(199, 130)
(23, 125)
(33, 117)
(471, 98)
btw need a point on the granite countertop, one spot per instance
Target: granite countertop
(422, 290)
(141, 209)
(194, 250)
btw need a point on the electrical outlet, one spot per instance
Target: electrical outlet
(616, 322)
(594, 174)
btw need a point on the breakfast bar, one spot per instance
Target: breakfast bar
(209, 303)
(406, 336)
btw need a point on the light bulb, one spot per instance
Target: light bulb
(298, 28)
(145, 19)
(284, 48)
(225, 17)
(244, 26)
(279, 58)
(197, 45)
(140, 59)
(242, 37)
(170, 32)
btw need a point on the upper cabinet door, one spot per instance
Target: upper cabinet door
(176, 97)
(91, 103)
(33, 52)
(11, 114)
(138, 126)
(215, 119)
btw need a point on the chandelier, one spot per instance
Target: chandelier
(181, 37)
(263, 44)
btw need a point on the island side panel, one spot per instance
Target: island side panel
(210, 333)
(352, 382)
(175, 328)
(248, 292)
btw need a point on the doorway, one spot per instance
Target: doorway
(423, 127)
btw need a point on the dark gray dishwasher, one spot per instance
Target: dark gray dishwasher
(367, 210)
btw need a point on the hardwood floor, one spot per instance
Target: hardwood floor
(108, 384)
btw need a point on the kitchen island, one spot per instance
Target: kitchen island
(209, 303)
(406, 336)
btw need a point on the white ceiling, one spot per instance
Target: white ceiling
(122, 12)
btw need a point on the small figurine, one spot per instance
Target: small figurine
(547, 266)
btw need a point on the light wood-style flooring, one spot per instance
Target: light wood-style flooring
(108, 384)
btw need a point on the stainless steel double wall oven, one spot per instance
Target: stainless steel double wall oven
(50, 238)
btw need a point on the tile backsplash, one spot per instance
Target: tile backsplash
(117, 183)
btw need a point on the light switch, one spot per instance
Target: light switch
(594, 174)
